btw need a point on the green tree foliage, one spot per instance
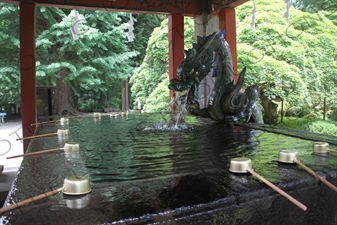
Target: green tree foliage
(86, 72)
(9, 57)
(158, 100)
(147, 80)
(143, 28)
(90, 65)
(325, 8)
(296, 60)
(314, 6)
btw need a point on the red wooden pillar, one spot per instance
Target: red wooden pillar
(176, 44)
(27, 70)
(227, 21)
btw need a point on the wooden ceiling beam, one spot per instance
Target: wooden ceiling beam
(184, 7)
(187, 8)
(216, 5)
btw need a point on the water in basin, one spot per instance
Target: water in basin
(144, 146)
(142, 167)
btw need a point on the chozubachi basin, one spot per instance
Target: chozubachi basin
(144, 171)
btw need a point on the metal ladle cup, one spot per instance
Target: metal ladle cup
(321, 148)
(96, 114)
(75, 185)
(292, 157)
(64, 121)
(78, 202)
(244, 165)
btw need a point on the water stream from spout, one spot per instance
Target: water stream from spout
(176, 121)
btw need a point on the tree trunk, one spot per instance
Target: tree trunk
(127, 105)
(64, 98)
(125, 95)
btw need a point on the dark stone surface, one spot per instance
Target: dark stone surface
(205, 193)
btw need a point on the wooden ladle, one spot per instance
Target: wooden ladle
(62, 121)
(73, 185)
(321, 148)
(59, 132)
(71, 146)
(244, 165)
(292, 157)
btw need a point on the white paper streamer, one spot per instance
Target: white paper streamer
(131, 28)
(253, 16)
(74, 28)
(287, 13)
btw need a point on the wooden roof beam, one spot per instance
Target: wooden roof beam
(190, 8)
(186, 8)
(216, 5)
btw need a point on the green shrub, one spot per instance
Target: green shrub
(332, 115)
(312, 125)
(159, 99)
(293, 122)
(321, 126)
(294, 111)
(86, 105)
(312, 116)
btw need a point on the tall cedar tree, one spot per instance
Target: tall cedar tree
(90, 67)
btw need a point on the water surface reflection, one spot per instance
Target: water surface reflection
(135, 147)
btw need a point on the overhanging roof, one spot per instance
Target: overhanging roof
(185, 7)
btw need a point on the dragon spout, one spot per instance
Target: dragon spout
(226, 102)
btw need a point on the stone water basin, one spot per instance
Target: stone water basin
(143, 171)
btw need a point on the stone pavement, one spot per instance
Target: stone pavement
(9, 146)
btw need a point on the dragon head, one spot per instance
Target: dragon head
(196, 65)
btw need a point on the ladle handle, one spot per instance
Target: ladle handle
(332, 150)
(297, 203)
(35, 153)
(37, 136)
(30, 200)
(53, 121)
(327, 183)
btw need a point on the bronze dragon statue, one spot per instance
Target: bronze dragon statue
(226, 103)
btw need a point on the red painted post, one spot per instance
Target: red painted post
(227, 21)
(27, 70)
(176, 45)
